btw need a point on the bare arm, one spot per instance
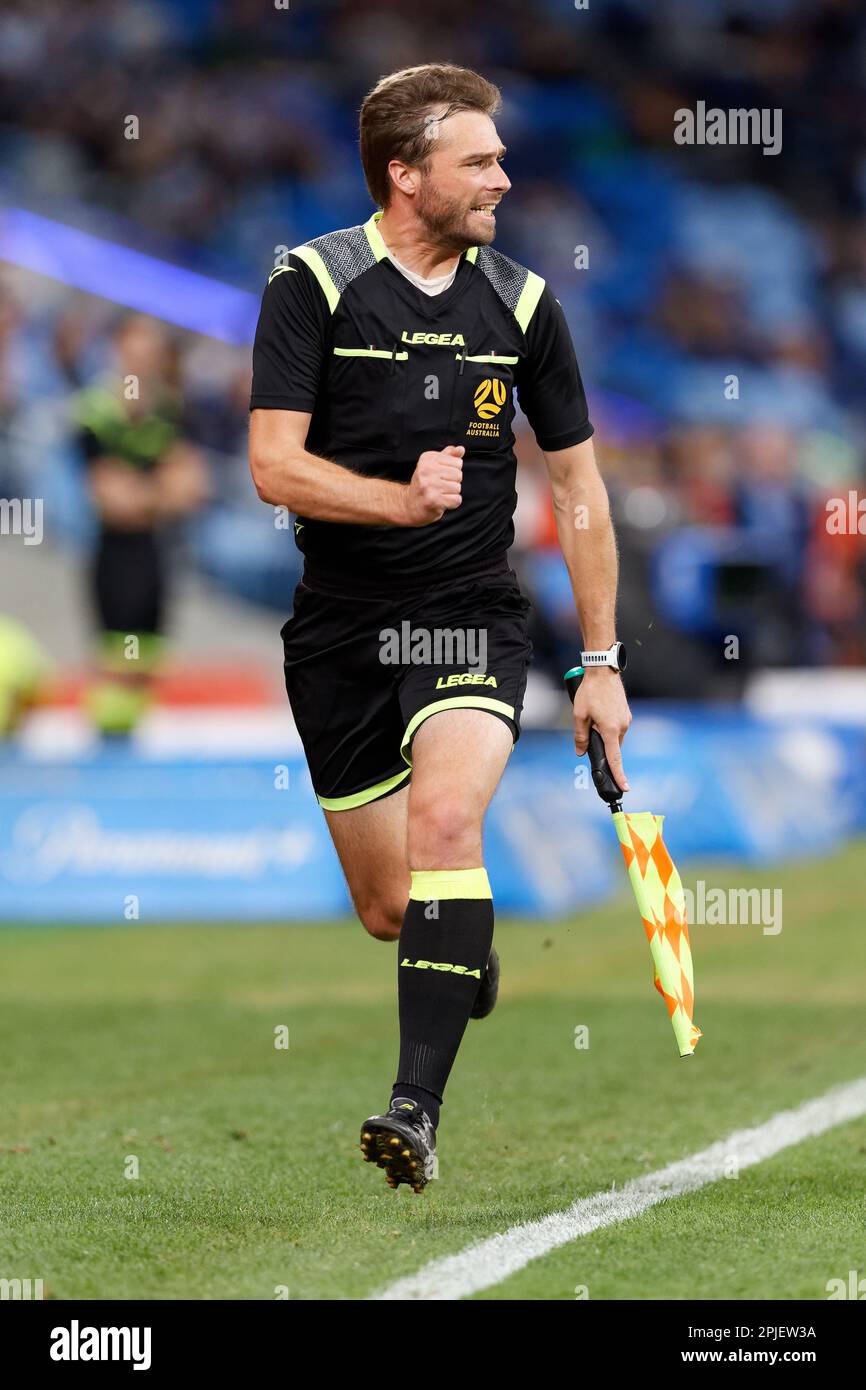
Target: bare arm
(287, 475)
(127, 499)
(586, 537)
(123, 497)
(181, 481)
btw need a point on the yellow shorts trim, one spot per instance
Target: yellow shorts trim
(455, 702)
(347, 803)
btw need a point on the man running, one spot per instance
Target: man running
(386, 362)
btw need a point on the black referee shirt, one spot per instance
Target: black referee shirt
(388, 372)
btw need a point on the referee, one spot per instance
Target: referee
(385, 367)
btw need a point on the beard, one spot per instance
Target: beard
(449, 223)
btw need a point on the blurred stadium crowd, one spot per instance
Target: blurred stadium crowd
(719, 311)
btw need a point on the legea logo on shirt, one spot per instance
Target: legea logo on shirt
(436, 339)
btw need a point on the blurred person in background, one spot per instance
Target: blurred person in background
(835, 592)
(142, 475)
(24, 667)
(9, 392)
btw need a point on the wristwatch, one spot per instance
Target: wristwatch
(615, 658)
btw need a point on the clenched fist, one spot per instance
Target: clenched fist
(435, 485)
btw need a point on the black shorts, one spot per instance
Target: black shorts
(362, 675)
(127, 580)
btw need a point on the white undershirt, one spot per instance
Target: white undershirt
(436, 283)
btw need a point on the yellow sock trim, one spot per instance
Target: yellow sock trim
(428, 884)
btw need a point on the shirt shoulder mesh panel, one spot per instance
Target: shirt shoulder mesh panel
(346, 254)
(505, 275)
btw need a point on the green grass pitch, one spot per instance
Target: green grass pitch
(157, 1044)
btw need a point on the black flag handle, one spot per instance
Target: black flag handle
(603, 778)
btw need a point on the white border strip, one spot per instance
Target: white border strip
(490, 1261)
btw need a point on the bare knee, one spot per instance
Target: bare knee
(444, 833)
(382, 920)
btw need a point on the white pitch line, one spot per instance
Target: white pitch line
(490, 1261)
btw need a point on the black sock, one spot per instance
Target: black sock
(442, 954)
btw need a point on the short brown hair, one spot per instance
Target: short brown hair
(394, 114)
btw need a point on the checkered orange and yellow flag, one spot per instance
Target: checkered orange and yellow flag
(660, 898)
